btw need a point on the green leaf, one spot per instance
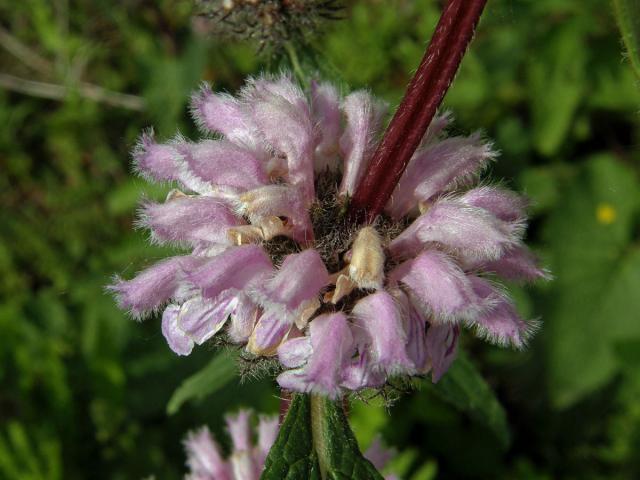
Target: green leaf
(594, 300)
(314, 442)
(464, 387)
(218, 372)
(556, 85)
(628, 17)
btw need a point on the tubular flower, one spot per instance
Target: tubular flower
(246, 460)
(275, 265)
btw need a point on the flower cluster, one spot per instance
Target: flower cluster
(271, 23)
(273, 263)
(246, 460)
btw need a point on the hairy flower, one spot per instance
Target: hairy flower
(246, 460)
(274, 264)
(270, 23)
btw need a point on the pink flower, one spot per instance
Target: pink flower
(380, 456)
(246, 460)
(274, 264)
(249, 452)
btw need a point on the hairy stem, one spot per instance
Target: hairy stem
(424, 95)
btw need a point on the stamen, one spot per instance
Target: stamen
(245, 234)
(175, 193)
(307, 312)
(366, 267)
(344, 286)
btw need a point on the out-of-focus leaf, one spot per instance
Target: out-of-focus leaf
(315, 441)
(628, 17)
(125, 198)
(556, 86)
(540, 185)
(215, 375)
(172, 80)
(594, 300)
(25, 458)
(464, 387)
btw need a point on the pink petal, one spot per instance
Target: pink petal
(177, 339)
(202, 318)
(242, 460)
(442, 348)
(220, 112)
(438, 168)
(472, 232)
(152, 287)
(279, 201)
(281, 113)
(244, 466)
(269, 332)
(438, 286)
(267, 434)
(414, 325)
(155, 161)
(220, 163)
(240, 430)
(298, 280)
(243, 319)
(364, 115)
(517, 263)
(436, 129)
(380, 326)
(501, 324)
(325, 105)
(360, 373)
(378, 454)
(504, 204)
(332, 345)
(235, 268)
(283, 86)
(189, 220)
(295, 352)
(203, 456)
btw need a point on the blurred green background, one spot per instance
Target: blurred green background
(84, 390)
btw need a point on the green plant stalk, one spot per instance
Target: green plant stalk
(318, 432)
(295, 62)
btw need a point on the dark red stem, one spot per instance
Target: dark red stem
(423, 97)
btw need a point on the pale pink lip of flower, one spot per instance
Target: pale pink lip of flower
(259, 269)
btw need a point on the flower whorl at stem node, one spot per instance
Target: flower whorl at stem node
(271, 23)
(274, 264)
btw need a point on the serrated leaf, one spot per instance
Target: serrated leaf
(628, 16)
(594, 298)
(464, 387)
(292, 455)
(215, 375)
(314, 442)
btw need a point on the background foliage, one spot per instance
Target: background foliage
(84, 390)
